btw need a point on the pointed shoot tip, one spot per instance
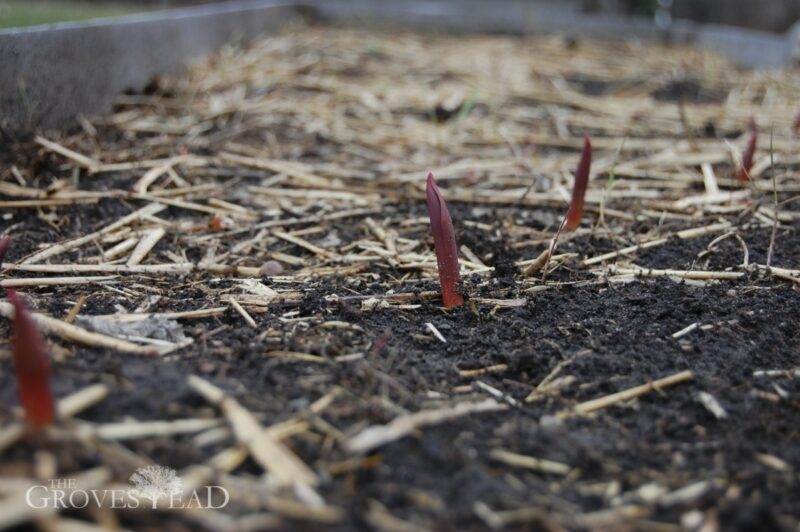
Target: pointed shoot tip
(445, 245)
(32, 365)
(430, 181)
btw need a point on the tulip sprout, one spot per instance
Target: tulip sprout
(444, 241)
(32, 366)
(575, 211)
(749, 152)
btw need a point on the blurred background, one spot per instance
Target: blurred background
(769, 15)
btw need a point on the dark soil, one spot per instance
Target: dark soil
(615, 336)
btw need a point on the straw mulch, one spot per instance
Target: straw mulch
(264, 216)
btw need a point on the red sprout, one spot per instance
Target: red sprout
(444, 241)
(575, 211)
(747, 157)
(4, 242)
(379, 343)
(216, 223)
(32, 366)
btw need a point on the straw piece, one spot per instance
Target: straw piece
(54, 281)
(686, 234)
(267, 451)
(147, 243)
(379, 435)
(74, 333)
(57, 249)
(529, 462)
(147, 429)
(82, 160)
(243, 313)
(79, 401)
(608, 400)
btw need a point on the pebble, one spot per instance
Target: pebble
(270, 268)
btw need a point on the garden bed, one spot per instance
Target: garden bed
(263, 219)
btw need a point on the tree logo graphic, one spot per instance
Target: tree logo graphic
(154, 482)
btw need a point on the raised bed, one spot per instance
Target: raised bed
(54, 75)
(263, 217)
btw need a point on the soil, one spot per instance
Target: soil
(665, 460)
